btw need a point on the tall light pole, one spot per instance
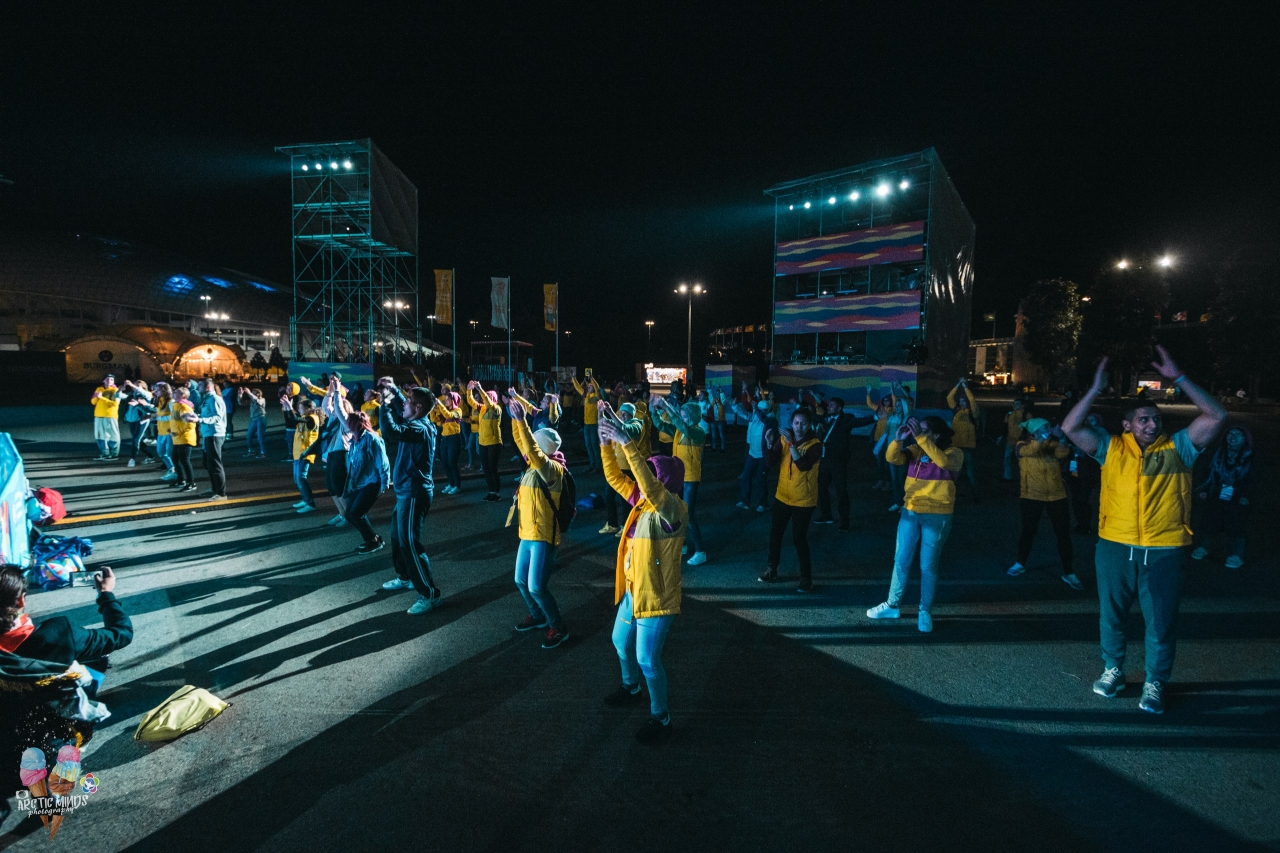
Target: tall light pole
(689, 291)
(648, 349)
(397, 306)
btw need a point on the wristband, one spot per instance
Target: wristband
(1182, 378)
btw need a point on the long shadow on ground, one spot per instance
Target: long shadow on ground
(777, 747)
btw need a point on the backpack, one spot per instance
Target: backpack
(53, 500)
(568, 509)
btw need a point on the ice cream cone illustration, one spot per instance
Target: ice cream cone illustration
(62, 780)
(33, 771)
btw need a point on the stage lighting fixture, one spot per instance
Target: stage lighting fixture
(831, 200)
(806, 205)
(304, 167)
(853, 196)
(882, 191)
(319, 167)
(333, 164)
(1166, 261)
(792, 207)
(1122, 265)
(905, 183)
(346, 164)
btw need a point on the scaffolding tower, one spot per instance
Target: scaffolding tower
(355, 255)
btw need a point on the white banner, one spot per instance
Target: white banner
(501, 296)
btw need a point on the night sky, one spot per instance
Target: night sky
(619, 156)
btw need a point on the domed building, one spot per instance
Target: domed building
(71, 289)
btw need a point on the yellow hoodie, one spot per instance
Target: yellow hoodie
(931, 474)
(962, 422)
(1041, 475)
(537, 518)
(108, 404)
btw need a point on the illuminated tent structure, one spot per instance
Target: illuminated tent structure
(150, 353)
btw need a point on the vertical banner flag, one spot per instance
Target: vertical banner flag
(444, 296)
(501, 297)
(549, 307)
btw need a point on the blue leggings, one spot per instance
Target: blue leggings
(533, 570)
(257, 430)
(639, 645)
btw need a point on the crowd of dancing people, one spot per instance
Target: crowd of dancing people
(649, 448)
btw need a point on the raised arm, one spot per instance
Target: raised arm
(664, 503)
(1205, 428)
(538, 460)
(1076, 423)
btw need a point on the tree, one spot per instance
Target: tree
(1049, 328)
(1124, 307)
(258, 363)
(277, 361)
(1243, 322)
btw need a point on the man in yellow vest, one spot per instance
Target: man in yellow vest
(106, 419)
(1144, 513)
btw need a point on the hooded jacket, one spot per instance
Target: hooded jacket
(1238, 474)
(648, 562)
(931, 475)
(686, 439)
(415, 450)
(962, 422)
(1040, 471)
(538, 521)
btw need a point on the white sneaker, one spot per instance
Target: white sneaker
(336, 521)
(608, 528)
(1016, 569)
(305, 508)
(698, 558)
(170, 476)
(299, 504)
(741, 505)
(1072, 581)
(422, 605)
(760, 509)
(1200, 553)
(924, 622)
(884, 610)
(894, 508)
(1234, 562)
(397, 584)
(132, 463)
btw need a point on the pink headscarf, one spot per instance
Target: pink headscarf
(454, 400)
(493, 397)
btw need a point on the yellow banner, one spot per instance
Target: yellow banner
(444, 296)
(549, 306)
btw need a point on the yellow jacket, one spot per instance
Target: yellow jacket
(372, 408)
(183, 432)
(488, 419)
(648, 562)
(931, 475)
(686, 448)
(1013, 424)
(1040, 472)
(1146, 495)
(882, 421)
(162, 415)
(305, 435)
(645, 443)
(962, 422)
(107, 405)
(447, 420)
(537, 518)
(590, 396)
(796, 487)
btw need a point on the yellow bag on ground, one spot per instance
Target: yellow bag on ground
(184, 711)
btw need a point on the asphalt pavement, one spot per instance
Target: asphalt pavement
(798, 723)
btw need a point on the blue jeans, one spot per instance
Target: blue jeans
(591, 436)
(752, 473)
(717, 435)
(301, 467)
(1155, 578)
(472, 444)
(533, 570)
(691, 501)
(358, 503)
(639, 645)
(164, 449)
(1010, 461)
(930, 531)
(452, 446)
(258, 430)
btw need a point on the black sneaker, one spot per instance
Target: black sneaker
(528, 623)
(492, 498)
(844, 528)
(769, 576)
(369, 547)
(189, 487)
(824, 521)
(624, 696)
(555, 637)
(655, 731)
(806, 585)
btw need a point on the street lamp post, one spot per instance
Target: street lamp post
(690, 290)
(648, 349)
(397, 306)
